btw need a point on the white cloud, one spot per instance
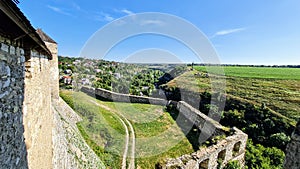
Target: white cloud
(103, 17)
(127, 12)
(152, 22)
(124, 11)
(58, 10)
(228, 31)
(108, 18)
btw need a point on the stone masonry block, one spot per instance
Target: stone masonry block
(4, 47)
(12, 50)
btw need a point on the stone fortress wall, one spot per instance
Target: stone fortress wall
(232, 147)
(37, 113)
(37, 129)
(13, 152)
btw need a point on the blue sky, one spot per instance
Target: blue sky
(242, 32)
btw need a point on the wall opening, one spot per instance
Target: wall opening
(236, 148)
(204, 164)
(221, 157)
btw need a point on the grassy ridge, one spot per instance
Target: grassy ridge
(258, 72)
(105, 134)
(282, 96)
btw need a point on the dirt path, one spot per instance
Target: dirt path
(132, 155)
(131, 163)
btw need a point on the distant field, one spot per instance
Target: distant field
(280, 94)
(105, 134)
(258, 72)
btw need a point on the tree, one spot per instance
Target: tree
(279, 140)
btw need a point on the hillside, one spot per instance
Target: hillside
(276, 88)
(103, 128)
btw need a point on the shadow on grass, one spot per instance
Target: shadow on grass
(192, 134)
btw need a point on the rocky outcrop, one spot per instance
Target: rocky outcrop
(292, 159)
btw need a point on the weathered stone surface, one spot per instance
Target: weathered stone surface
(32, 133)
(292, 159)
(4, 47)
(70, 149)
(13, 152)
(208, 157)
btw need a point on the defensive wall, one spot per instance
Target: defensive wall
(13, 152)
(230, 148)
(37, 129)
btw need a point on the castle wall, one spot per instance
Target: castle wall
(38, 115)
(54, 72)
(233, 147)
(12, 145)
(118, 97)
(216, 156)
(70, 149)
(206, 125)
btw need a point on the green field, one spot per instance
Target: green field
(256, 72)
(281, 94)
(157, 135)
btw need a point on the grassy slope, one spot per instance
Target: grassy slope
(104, 132)
(281, 95)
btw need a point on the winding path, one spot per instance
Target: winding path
(127, 134)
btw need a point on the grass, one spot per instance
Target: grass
(101, 129)
(281, 95)
(157, 135)
(256, 72)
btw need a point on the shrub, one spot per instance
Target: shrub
(233, 165)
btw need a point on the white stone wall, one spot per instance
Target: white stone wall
(38, 115)
(54, 72)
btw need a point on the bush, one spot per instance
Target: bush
(67, 98)
(233, 165)
(279, 140)
(258, 156)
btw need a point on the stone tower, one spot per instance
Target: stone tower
(54, 73)
(292, 159)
